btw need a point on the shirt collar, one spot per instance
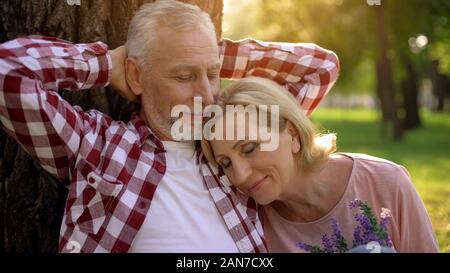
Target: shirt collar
(145, 133)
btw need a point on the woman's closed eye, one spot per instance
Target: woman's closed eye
(225, 162)
(246, 149)
(249, 148)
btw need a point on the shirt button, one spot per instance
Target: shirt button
(91, 180)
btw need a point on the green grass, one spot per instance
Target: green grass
(425, 152)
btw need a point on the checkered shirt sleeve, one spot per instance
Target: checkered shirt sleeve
(306, 70)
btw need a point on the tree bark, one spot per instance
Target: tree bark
(31, 200)
(441, 86)
(385, 83)
(410, 92)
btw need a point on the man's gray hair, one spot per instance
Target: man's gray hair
(152, 16)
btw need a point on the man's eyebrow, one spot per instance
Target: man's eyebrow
(183, 67)
(190, 67)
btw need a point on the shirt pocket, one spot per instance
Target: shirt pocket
(94, 203)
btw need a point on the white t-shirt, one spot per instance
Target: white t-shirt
(182, 216)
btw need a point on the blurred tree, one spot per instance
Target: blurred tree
(409, 48)
(441, 85)
(410, 93)
(420, 50)
(351, 29)
(440, 51)
(385, 86)
(31, 200)
(385, 54)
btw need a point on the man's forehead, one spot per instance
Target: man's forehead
(199, 37)
(184, 52)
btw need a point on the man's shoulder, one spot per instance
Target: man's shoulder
(98, 122)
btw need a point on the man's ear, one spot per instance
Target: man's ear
(134, 76)
(295, 137)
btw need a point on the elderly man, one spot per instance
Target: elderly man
(131, 187)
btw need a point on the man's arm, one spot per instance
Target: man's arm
(306, 70)
(32, 69)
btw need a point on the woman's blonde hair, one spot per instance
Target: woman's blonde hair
(314, 147)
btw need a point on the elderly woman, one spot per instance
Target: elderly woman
(303, 186)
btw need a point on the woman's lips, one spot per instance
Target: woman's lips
(256, 186)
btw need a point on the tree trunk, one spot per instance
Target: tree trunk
(31, 200)
(441, 86)
(410, 92)
(385, 83)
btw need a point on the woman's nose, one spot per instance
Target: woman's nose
(242, 171)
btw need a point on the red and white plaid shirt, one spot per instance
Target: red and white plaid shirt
(112, 169)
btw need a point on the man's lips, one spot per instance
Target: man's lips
(257, 185)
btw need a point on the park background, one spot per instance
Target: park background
(392, 97)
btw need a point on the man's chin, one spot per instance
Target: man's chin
(162, 132)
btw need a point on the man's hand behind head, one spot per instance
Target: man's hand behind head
(118, 79)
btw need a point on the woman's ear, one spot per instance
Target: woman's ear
(295, 138)
(134, 76)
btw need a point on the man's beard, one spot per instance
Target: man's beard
(160, 125)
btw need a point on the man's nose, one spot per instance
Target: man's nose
(204, 89)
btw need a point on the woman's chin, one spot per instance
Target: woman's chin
(263, 201)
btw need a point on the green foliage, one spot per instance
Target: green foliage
(348, 28)
(441, 52)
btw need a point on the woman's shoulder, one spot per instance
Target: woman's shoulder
(378, 170)
(373, 162)
(378, 161)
